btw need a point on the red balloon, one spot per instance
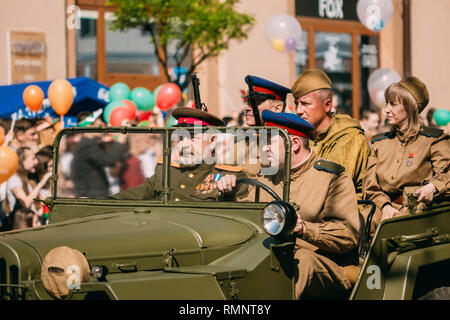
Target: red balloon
(130, 105)
(168, 96)
(142, 116)
(33, 97)
(119, 114)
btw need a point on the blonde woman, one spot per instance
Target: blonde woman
(408, 156)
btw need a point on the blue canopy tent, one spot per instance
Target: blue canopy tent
(89, 95)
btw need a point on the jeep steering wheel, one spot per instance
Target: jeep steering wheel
(258, 185)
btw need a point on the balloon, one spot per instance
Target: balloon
(168, 96)
(131, 106)
(441, 117)
(2, 136)
(58, 126)
(119, 91)
(278, 44)
(109, 107)
(60, 94)
(143, 98)
(378, 82)
(33, 97)
(155, 92)
(374, 14)
(118, 115)
(290, 44)
(144, 123)
(9, 161)
(144, 115)
(283, 32)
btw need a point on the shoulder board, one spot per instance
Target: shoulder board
(382, 136)
(228, 168)
(173, 164)
(328, 166)
(431, 132)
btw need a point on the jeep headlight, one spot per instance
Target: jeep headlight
(278, 218)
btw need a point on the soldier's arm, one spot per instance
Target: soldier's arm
(339, 230)
(440, 155)
(145, 191)
(371, 188)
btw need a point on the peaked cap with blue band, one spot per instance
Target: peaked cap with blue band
(293, 123)
(266, 88)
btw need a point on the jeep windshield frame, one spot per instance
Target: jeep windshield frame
(166, 155)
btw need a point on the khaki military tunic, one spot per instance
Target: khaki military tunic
(186, 183)
(328, 206)
(344, 142)
(396, 163)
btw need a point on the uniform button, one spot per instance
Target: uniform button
(398, 161)
(392, 177)
(191, 175)
(177, 199)
(182, 186)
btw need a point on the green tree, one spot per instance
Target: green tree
(207, 26)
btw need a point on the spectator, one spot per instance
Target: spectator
(370, 120)
(91, 158)
(46, 131)
(44, 165)
(25, 135)
(25, 218)
(20, 189)
(131, 174)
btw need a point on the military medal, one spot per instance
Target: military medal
(409, 162)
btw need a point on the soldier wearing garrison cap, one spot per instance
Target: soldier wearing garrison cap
(328, 223)
(336, 137)
(409, 159)
(191, 179)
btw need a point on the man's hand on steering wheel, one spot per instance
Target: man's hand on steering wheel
(227, 183)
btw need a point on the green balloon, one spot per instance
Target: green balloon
(119, 91)
(143, 98)
(109, 108)
(442, 117)
(171, 121)
(155, 92)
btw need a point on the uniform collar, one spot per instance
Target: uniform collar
(304, 166)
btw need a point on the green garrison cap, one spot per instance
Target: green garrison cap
(419, 91)
(310, 80)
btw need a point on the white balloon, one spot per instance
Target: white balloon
(378, 82)
(374, 14)
(284, 28)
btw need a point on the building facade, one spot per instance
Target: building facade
(44, 40)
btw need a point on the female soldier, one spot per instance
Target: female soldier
(407, 157)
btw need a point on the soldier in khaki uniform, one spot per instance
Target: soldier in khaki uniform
(190, 178)
(406, 158)
(328, 222)
(338, 138)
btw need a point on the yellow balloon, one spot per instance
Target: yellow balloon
(278, 44)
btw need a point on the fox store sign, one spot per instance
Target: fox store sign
(327, 9)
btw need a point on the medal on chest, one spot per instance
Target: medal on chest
(409, 162)
(210, 184)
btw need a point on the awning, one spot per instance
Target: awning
(89, 95)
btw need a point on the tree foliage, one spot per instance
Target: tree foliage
(207, 26)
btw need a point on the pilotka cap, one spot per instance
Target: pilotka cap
(309, 81)
(63, 269)
(419, 91)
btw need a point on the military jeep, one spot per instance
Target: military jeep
(224, 249)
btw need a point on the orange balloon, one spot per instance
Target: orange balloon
(57, 127)
(9, 161)
(33, 97)
(2, 136)
(60, 95)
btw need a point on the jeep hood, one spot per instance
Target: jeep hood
(133, 241)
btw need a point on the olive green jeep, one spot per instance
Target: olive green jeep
(162, 248)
